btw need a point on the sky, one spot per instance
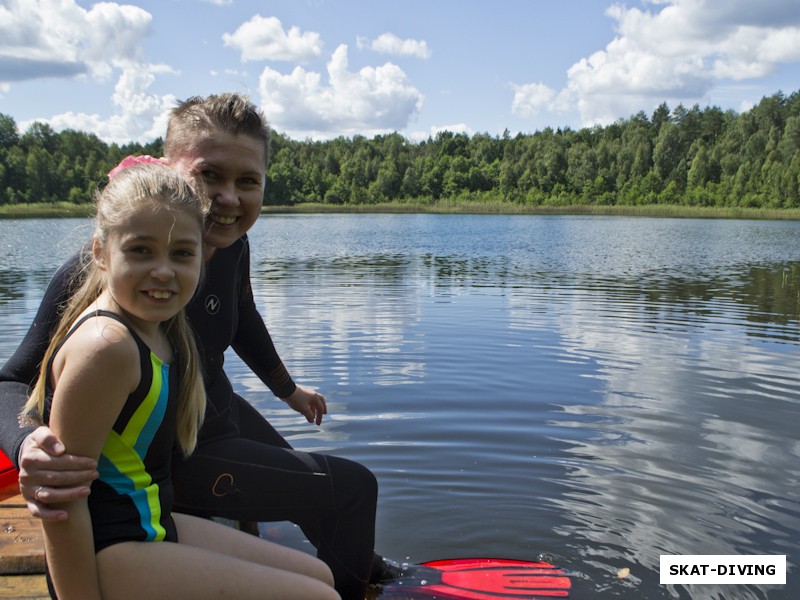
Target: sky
(326, 68)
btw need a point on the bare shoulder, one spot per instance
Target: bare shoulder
(94, 373)
(104, 348)
(105, 338)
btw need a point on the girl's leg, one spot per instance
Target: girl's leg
(247, 479)
(202, 533)
(211, 561)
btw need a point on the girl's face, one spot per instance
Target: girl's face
(153, 263)
(233, 172)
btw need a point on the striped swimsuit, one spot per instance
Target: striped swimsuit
(132, 498)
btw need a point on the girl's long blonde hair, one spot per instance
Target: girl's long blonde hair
(129, 191)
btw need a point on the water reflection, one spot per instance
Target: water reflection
(687, 449)
(661, 410)
(11, 286)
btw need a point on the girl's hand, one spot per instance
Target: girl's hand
(309, 403)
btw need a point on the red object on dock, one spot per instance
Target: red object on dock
(8, 473)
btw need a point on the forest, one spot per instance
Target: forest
(680, 156)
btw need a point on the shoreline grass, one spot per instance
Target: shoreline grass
(68, 210)
(46, 210)
(507, 208)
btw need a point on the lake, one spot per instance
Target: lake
(597, 391)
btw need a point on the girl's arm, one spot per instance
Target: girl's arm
(95, 371)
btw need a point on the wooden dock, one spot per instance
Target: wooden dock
(21, 550)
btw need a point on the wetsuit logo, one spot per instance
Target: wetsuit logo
(212, 304)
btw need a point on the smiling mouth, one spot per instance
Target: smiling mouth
(222, 220)
(159, 294)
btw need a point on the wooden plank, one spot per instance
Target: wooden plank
(21, 543)
(21, 550)
(23, 587)
(10, 496)
(21, 540)
(12, 501)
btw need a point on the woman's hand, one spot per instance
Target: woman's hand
(309, 403)
(50, 476)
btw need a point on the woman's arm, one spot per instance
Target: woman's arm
(22, 369)
(254, 345)
(251, 340)
(94, 372)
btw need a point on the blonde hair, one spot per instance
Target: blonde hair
(129, 191)
(229, 112)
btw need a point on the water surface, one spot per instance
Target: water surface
(597, 390)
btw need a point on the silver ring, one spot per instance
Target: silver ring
(36, 493)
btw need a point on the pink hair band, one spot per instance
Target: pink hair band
(130, 161)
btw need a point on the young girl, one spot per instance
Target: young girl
(121, 381)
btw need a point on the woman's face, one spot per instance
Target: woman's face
(232, 170)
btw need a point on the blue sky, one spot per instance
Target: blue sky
(324, 68)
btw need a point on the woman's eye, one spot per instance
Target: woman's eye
(249, 182)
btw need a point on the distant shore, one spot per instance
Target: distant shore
(67, 210)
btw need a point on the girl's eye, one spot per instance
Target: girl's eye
(209, 175)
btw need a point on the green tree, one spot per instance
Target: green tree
(39, 135)
(40, 176)
(790, 140)
(581, 167)
(456, 177)
(702, 169)
(388, 182)
(667, 152)
(661, 115)
(9, 136)
(791, 182)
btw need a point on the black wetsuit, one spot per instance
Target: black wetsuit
(242, 468)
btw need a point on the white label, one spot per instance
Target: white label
(723, 569)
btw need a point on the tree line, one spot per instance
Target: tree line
(680, 156)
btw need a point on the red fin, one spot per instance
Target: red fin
(482, 579)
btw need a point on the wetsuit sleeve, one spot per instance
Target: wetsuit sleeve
(22, 369)
(253, 342)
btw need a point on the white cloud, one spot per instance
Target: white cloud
(370, 101)
(140, 117)
(389, 43)
(58, 38)
(235, 73)
(454, 128)
(675, 52)
(263, 38)
(421, 136)
(782, 46)
(532, 98)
